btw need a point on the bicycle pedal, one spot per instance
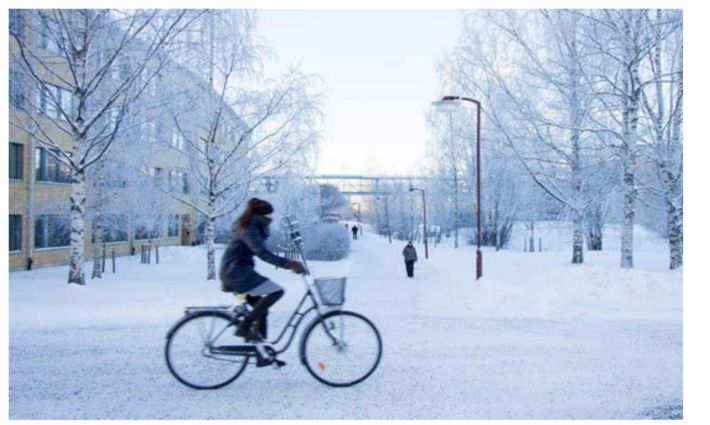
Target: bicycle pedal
(275, 363)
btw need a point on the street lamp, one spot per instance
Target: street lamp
(359, 215)
(452, 104)
(426, 239)
(387, 215)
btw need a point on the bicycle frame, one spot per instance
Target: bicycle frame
(297, 316)
(288, 332)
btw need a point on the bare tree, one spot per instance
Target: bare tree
(623, 40)
(532, 82)
(233, 136)
(663, 107)
(86, 66)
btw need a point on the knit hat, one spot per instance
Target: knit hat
(261, 207)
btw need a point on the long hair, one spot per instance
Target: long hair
(254, 206)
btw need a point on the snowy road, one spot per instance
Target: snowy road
(447, 352)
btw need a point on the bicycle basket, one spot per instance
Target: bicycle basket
(331, 290)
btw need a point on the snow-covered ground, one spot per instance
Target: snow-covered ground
(535, 338)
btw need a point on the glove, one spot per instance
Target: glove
(296, 267)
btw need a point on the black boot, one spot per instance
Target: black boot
(257, 316)
(248, 331)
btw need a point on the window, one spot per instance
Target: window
(113, 183)
(205, 149)
(17, 23)
(17, 91)
(49, 169)
(115, 228)
(16, 160)
(51, 230)
(178, 180)
(178, 141)
(51, 98)
(142, 230)
(48, 34)
(15, 232)
(173, 225)
(158, 176)
(112, 117)
(154, 83)
(157, 227)
(153, 132)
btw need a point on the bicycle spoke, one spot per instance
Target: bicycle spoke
(190, 359)
(342, 349)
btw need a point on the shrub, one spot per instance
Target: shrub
(326, 242)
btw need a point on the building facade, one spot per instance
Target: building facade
(39, 184)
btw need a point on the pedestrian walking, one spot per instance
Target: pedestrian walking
(410, 257)
(354, 230)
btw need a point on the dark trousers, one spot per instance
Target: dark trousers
(261, 310)
(410, 268)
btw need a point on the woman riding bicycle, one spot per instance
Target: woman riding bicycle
(237, 273)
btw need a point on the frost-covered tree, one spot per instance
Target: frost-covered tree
(449, 152)
(529, 74)
(233, 135)
(623, 41)
(663, 110)
(85, 66)
(331, 200)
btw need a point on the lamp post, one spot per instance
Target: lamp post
(357, 214)
(426, 239)
(452, 104)
(387, 216)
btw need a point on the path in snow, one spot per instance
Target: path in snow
(453, 347)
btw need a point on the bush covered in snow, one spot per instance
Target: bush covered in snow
(326, 242)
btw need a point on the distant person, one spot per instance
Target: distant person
(410, 257)
(354, 230)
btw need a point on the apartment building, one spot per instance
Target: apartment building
(39, 184)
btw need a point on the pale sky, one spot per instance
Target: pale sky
(379, 72)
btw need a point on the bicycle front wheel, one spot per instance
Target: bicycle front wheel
(341, 348)
(196, 351)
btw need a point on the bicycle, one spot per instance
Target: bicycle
(339, 348)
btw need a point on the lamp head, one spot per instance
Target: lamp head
(447, 104)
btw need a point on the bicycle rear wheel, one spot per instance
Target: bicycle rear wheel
(341, 348)
(195, 351)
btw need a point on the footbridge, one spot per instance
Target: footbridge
(364, 185)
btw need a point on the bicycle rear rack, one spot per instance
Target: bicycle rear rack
(222, 308)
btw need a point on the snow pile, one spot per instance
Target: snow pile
(593, 291)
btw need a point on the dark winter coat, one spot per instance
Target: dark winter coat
(237, 268)
(410, 253)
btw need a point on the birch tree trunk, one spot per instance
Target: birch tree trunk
(98, 232)
(77, 199)
(674, 197)
(630, 116)
(674, 191)
(209, 235)
(576, 169)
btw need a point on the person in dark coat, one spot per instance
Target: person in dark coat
(237, 273)
(354, 230)
(410, 257)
